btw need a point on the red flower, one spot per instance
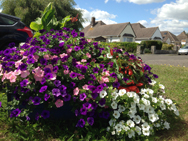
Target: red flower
(130, 72)
(111, 52)
(139, 84)
(74, 19)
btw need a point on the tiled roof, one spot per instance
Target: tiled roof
(101, 29)
(182, 36)
(167, 34)
(143, 32)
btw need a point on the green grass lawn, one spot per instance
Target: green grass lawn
(175, 80)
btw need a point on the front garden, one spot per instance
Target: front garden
(109, 94)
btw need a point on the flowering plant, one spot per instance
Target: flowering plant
(105, 86)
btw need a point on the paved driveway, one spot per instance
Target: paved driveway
(168, 59)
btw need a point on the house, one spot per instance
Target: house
(183, 38)
(143, 33)
(169, 38)
(99, 31)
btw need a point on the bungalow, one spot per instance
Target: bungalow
(143, 33)
(99, 31)
(170, 38)
(183, 38)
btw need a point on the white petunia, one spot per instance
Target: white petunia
(114, 105)
(116, 114)
(161, 86)
(141, 106)
(122, 92)
(138, 130)
(176, 112)
(129, 94)
(136, 99)
(152, 117)
(131, 133)
(121, 108)
(151, 110)
(118, 127)
(108, 129)
(143, 91)
(146, 132)
(157, 125)
(146, 96)
(113, 132)
(103, 93)
(126, 128)
(161, 98)
(112, 122)
(114, 95)
(154, 100)
(133, 109)
(108, 55)
(145, 101)
(131, 114)
(153, 82)
(163, 106)
(168, 101)
(173, 107)
(122, 122)
(145, 126)
(166, 125)
(133, 104)
(130, 123)
(137, 119)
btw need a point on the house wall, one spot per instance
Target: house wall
(157, 34)
(128, 29)
(168, 41)
(114, 39)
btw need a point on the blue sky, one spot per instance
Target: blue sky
(168, 15)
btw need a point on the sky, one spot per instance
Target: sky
(168, 15)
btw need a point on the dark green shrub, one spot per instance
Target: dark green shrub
(148, 44)
(147, 50)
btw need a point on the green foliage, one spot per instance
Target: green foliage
(167, 46)
(148, 44)
(48, 21)
(126, 46)
(147, 50)
(29, 10)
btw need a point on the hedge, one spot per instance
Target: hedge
(148, 44)
(126, 46)
(167, 46)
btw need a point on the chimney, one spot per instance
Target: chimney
(92, 21)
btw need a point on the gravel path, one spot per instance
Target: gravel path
(168, 59)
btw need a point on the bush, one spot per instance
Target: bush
(147, 50)
(167, 46)
(126, 46)
(148, 44)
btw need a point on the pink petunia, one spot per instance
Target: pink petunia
(25, 73)
(17, 72)
(59, 103)
(54, 56)
(47, 56)
(38, 72)
(36, 57)
(81, 77)
(69, 50)
(85, 87)
(88, 40)
(62, 55)
(8, 75)
(4, 77)
(54, 76)
(83, 60)
(66, 71)
(38, 78)
(76, 91)
(13, 78)
(49, 66)
(22, 52)
(88, 55)
(18, 63)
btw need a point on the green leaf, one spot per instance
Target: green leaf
(37, 34)
(34, 26)
(47, 17)
(65, 20)
(48, 7)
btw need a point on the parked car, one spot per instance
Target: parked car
(183, 50)
(12, 30)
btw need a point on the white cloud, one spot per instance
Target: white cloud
(98, 14)
(141, 1)
(172, 17)
(144, 22)
(106, 1)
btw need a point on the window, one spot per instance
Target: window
(110, 38)
(6, 21)
(165, 33)
(126, 39)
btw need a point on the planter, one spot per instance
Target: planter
(63, 112)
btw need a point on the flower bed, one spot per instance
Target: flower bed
(104, 86)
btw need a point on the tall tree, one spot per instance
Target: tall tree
(29, 10)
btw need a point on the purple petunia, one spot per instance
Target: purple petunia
(82, 96)
(100, 88)
(10, 64)
(116, 84)
(114, 75)
(36, 100)
(54, 61)
(45, 114)
(72, 85)
(155, 76)
(83, 69)
(95, 70)
(46, 97)
(87, 105)
(101, 66)
(61, 44)
(102, 101)
(83, 111)
(37, 116)
(93, 76)
(56, 92)
(7, 57)
(80, 123)
(7, 51)
(43, 88)
(94, 105)
(55, 69)
(76, 48)
(43, 81)
(146, 67)
(65, 67)
(49, 76)
(94, 95)
(82, 34)
(92, 88)
(57, 83)
(24, 83)
(30, 61)
(77, 112)
(15, 113)
(105, 114)
(43, 61)
(23, 67)
(90, 120)
(47, 70)
(73, 75)
(42, 49)
(0, 104)
(67, 97)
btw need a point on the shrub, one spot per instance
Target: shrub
(148, 44)
(147, 50)
(167, 47)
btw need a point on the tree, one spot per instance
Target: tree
(29, 10)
